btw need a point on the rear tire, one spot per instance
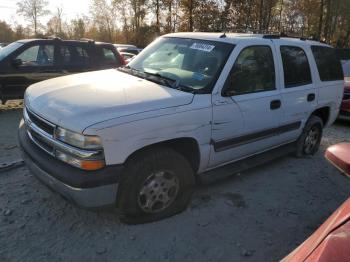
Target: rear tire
(156, 184)
(309, 141)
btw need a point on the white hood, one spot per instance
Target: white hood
(78, 101)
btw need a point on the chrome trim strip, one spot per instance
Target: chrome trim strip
(42, 119)
(38, 144)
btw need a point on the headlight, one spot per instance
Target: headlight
(80, 163)
(78, 140)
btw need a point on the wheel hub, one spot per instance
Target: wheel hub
(158, 191)
(311, 140)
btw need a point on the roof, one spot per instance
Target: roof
(66, 41)
(236, 37)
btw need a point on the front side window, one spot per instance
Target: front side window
(328, 64)
(189, 63)
(295, 66)
(253, 71)
(37, 55)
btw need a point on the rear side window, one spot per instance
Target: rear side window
(74, 55)
(328, 64)
(109, 57)
(253, 71)
(295, 66)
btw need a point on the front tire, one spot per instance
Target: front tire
(156, 184)
(309, 141)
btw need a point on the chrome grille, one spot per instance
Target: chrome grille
(41, 123)
(39, 131)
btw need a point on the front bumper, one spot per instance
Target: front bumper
(86, 188)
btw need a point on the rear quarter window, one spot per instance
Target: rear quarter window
(107, 56)
(328, 63)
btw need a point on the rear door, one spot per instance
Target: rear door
(75, 57)
(299, 93)
(37, 63)
(247, 116)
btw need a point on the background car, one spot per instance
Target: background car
(127, 56)
(344, 112)
(128, 49)
(25, 62)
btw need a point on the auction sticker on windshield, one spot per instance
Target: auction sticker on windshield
(202, 47)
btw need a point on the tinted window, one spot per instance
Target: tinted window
(253, 71)
(328, 64)
(295, 66)
(37, 55)
(343, 54)
(74, 55)
(109, 57)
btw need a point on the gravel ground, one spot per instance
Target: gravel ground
(259, 215)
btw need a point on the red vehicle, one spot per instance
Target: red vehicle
(344, 112)
(331, 241)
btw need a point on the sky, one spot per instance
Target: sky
(71, 9)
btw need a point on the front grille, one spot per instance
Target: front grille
(40, 143)
(42, 131)
(42, 124)
(346, 96)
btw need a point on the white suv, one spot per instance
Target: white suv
(190, 107)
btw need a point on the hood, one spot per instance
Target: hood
(78, 101)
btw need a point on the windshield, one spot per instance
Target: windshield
(190, 63)
(4, 52)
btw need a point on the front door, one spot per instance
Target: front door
(246, 117)
(33, 64)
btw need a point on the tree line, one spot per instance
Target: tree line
(140, 21)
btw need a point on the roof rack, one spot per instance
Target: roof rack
(272, 36)
(53, 37)
(90, 41)
(282, 34)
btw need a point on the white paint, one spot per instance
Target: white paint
(129, 113)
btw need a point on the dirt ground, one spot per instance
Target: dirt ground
(259, 215)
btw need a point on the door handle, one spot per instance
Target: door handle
(311, 97)
(275, 104)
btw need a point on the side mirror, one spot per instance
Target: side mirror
(16, 62)
(227, 93)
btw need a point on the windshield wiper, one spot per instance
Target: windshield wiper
(156, 77)
(166, 80)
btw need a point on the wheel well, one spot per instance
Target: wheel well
(322, 113)
(188, 147)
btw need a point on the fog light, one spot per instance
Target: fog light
(80, 163)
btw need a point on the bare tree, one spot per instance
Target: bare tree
(32, 10)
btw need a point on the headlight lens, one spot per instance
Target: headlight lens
(78, 140)
(80, 163)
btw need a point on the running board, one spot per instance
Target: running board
(247, 163)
